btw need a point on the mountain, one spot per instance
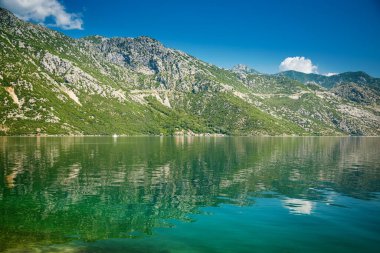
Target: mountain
(244, 69)
(53, 84)
(361, 78)
(355, 86)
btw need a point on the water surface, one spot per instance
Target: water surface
(189, 194)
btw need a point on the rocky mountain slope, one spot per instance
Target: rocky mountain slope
(355, 86)
(53, 84)
(360, 78)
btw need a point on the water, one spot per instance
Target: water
(184, 194)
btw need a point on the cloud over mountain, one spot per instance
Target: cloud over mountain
(298, 63)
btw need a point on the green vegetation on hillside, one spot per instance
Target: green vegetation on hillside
(54, 84)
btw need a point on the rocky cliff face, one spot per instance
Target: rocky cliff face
(168, 68)
(53, 84)
(361, 94)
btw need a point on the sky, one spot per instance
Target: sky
(324, 36)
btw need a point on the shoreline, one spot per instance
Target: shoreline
(186, 135)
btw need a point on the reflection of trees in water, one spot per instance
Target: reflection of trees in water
(99, 187)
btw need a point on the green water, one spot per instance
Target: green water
(183, 194)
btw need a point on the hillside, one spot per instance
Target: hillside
(53, 84)
(359, 77)
(355, 86)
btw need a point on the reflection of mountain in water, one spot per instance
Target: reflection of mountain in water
(99, 187)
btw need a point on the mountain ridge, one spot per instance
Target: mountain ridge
(53, 84)
(359, 77)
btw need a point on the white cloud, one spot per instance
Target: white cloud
(331, 74)
(40, 10)
(297, 63)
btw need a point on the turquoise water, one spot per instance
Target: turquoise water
(189, 194)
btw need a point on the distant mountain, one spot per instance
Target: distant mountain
(355, 86)
(53, 84)
(361, 78)
(244, 69)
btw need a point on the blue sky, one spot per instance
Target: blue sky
(336, 36)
